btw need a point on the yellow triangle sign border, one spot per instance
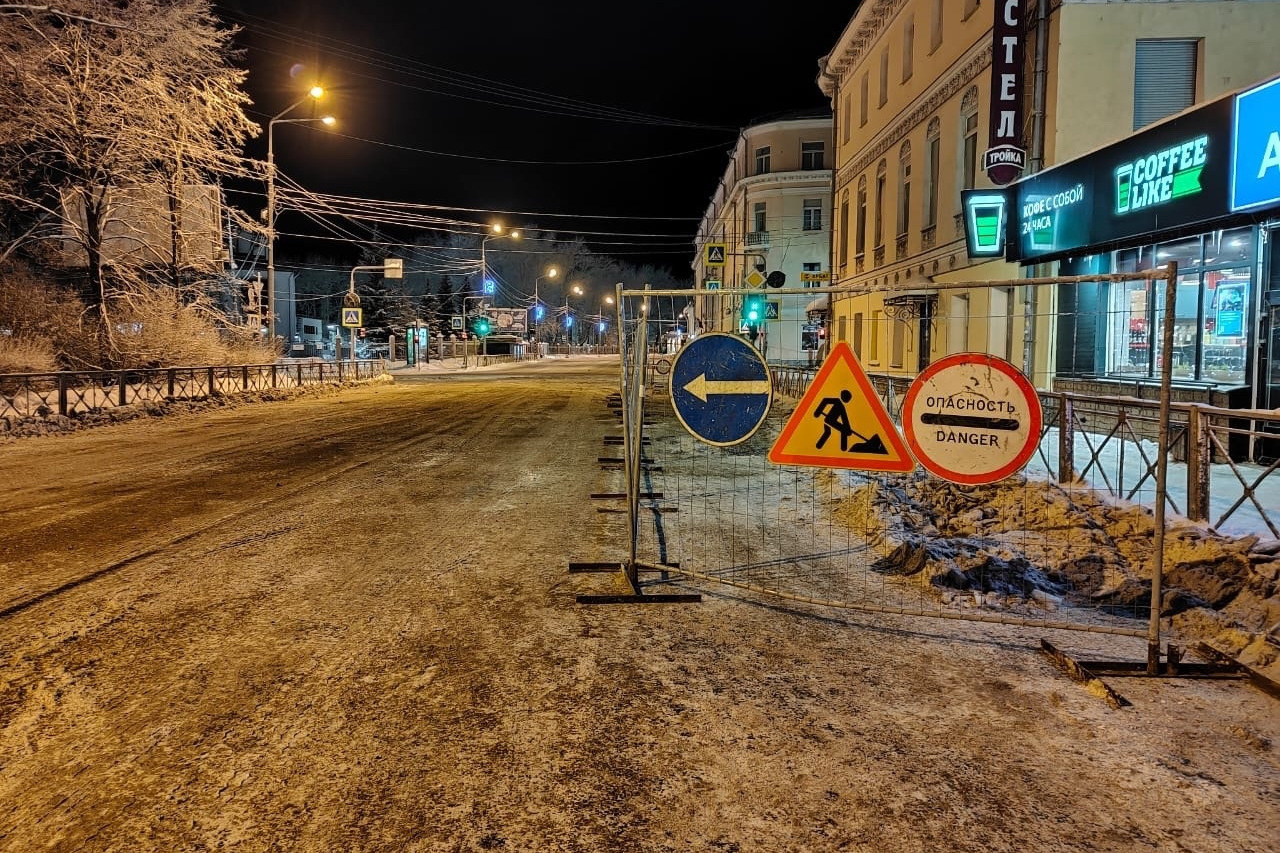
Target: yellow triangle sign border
(842, 354)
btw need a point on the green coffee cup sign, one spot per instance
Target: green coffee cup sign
(1162, 176)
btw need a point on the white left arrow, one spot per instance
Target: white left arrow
(702, 387)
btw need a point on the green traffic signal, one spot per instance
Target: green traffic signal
(480, 326)
(753, 309)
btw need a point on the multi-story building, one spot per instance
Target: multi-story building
(772, 212)
(911, 85)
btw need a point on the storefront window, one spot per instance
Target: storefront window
(1212, 322)
(1128, 334)
(1226, 330)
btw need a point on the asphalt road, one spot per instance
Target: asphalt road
(345, 623)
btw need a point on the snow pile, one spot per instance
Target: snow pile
(1028, 542)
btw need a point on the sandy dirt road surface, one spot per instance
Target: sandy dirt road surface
(344, 623)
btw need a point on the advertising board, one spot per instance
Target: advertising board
(1170, 176)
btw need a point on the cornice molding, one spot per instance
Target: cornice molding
(948, 90)
(878, 16)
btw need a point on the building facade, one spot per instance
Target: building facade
(772, 213)
(911, 85)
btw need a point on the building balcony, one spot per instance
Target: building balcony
(757, 238)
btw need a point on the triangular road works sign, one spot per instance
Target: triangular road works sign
(841, 423)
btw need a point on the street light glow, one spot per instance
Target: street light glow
(553, 272)
(329, 120)
(317, 92)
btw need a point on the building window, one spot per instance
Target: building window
(857, 335)
(958, 324)
(865, 85)
(873, 345)
(904, 188)
(969, 150)
(933, 157)
(970, 6)
(810, 267)
(813, 214)
(935, 31)
(811, 155)
(847, 119)
(898, 343)
(884, 76)
(844, 229)
(1000, 323)
(861, 238)
(762, 160)
(1164, 78)
(882, 172)
(908, 47)
(759, 218)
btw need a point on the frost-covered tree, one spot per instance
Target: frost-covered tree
(102, 99)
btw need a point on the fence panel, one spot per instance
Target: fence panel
(1010, 552)
(72, 393)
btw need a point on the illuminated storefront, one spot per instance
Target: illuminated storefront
(1201, 189)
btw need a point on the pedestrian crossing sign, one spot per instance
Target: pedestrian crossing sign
(841, 423)
(351, 318)
(715, 254)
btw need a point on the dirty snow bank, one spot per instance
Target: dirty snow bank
(1023, 542)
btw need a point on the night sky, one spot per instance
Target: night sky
(562, 82)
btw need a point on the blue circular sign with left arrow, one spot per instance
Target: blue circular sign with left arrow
(720, 388)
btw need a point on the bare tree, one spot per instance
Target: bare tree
(102, 99)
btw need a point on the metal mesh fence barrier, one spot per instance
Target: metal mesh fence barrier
(1074, 540)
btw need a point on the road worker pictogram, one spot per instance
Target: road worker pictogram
(841, 423)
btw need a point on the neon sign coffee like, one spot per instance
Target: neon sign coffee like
(1161, 177)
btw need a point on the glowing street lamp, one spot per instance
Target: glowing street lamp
(316, 93)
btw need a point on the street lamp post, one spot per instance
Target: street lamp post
(316, 93)
(568, 317)
(484, 263)
(552, 272)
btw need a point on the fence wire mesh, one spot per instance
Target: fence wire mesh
(1070, 542)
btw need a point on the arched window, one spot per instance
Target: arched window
(904, 188)
(969, 138)
(932, 158)
(882, 172)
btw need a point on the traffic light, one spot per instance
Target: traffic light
(362, 331)
(753, 310)
(480, 326)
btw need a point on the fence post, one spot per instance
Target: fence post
(171, 379)
(273, 376)
(212, 388)
(244, 377)
(1066, 441)
(62, 394)
(299, 374)
(122, 388)
(1198, 457)
(339, 370)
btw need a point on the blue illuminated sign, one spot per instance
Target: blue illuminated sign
(1255, 152)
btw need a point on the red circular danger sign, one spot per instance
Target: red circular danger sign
(972, 418)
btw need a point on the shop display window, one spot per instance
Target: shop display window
(1213, 320)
